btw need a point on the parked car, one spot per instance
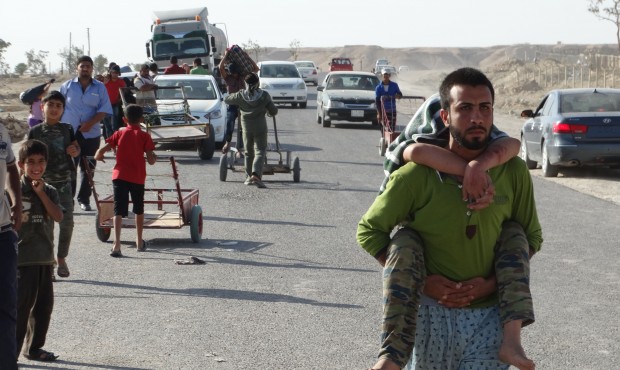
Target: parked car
(379, 64)
(283, 82)
(340, 64)
(390, 69)
(402, 69)
(572, 127)
(347, 96)
(308, 71)
(203, 97)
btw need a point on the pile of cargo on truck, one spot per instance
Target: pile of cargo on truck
(186, 34)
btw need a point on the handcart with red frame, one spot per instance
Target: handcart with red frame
(174, 207)
(406, 107)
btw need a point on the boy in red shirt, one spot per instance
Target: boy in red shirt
(129, 173)
(113, 83)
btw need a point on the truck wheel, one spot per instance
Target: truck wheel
(296, 170)
(195, 227)
(103, 233)
(206, 147)
(303, 105)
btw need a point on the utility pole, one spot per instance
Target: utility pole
(88, 38)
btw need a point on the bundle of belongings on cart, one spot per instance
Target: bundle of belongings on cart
(426, 126)
(238, 61)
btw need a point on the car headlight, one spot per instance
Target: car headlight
(214, 114)
(372, 106)
(301, 86)
(265, 85)
(335, 104)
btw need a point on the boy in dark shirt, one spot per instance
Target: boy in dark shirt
(129, 174)
(62, 148)
(35, 261)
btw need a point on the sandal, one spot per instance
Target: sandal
(63, 270)
(143, 248)
(41, 355)
(114, 253)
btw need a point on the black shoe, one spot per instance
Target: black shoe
(85, 207)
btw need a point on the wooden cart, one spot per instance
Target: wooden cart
(189, 211)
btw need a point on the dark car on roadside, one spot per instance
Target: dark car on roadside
(572, 128)
(347, 96)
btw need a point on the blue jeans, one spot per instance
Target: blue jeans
(232, 113)
(8, 300)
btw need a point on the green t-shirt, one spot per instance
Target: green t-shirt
(199, 70)
(36, 235)
(57, 137)
(431, 203)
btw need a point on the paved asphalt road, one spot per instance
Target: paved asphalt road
(286, 287)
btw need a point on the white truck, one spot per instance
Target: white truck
(186, 34)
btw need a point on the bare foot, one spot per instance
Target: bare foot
(385, 364)
(513, 354)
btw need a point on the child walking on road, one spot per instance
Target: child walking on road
(129, 174)
(35, 261)
(62, 147)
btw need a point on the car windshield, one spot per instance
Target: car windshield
(279, 71)
(351, 82)
(590, 102)
(194, 89)
(304, 64)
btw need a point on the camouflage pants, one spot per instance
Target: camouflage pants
(404, 275)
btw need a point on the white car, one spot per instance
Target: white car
(204, 98)
(308, 71)
(347, 96)
(282, 81)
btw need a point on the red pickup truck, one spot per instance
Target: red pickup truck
(341, 64)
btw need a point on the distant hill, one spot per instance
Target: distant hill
(440, 58)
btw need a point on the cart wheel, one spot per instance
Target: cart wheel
(296, 170)
(103, 233)
(223, 167)
(206, 147)
(382, 146)
(195, 228)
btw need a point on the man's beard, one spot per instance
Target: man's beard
(475, 144)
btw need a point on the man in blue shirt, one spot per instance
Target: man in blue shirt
(86, 106)
(385, 94)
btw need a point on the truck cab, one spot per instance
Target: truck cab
(340, 64)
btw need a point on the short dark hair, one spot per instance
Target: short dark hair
(463, 76)
(133, 112)
(198, 61)
(173, 60)
(144, 66)
(153, 67)
(32, 147)
(54, 95)
(84, 58)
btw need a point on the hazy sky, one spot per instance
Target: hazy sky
(119, 29)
